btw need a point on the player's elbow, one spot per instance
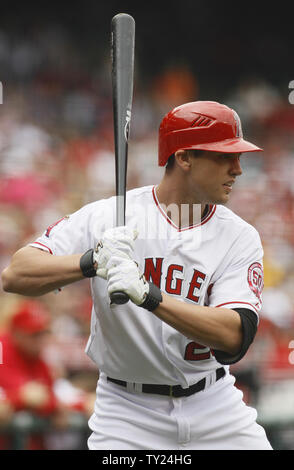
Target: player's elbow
(232, 338)
(16, 278)
(7, 280)
(15, 284)
(13, 280)
(10, 282)
(233, 344)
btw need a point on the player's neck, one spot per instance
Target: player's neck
(189, 212)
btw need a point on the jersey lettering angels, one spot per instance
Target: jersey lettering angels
(217, 262)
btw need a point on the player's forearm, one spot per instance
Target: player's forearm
(33, 272)
(217, 328)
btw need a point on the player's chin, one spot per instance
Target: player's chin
(222, 198)
(218, 196)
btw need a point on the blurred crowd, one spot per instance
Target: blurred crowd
(57, 154)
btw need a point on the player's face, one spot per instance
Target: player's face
(213, 175)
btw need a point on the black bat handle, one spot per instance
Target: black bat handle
(119, 298)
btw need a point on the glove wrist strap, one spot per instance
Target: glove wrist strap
(153, 298)
(87, 264)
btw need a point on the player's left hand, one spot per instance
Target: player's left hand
(118, 241)
(124, 276)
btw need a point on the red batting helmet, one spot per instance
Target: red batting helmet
(202, 125)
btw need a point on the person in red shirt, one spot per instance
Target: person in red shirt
(24, 375)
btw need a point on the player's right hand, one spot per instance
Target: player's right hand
(118, 241)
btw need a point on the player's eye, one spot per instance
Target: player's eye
(223, 156)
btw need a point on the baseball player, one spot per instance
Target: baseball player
(192, 270)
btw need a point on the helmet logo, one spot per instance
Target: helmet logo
(127, 125)
(201, 120)
(239, 132)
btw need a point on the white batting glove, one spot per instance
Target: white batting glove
(118, 241)
(125, 276)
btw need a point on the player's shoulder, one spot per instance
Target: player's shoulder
(141, 196)
(233, 222)
(93, 207)
(107, 205)
(143, 191)
(130, 194)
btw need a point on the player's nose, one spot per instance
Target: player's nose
(235, 167)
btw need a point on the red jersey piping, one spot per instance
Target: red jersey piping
(237, 302)
(211, 211)
(38, 243)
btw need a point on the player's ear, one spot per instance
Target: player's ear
(183, 159)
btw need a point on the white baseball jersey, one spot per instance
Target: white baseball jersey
(217, 262)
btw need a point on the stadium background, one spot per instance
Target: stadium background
(56, 154)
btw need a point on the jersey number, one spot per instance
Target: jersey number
(192, 352)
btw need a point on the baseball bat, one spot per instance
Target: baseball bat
(122, 58)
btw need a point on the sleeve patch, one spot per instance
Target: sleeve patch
(47, 233)
(255, 279)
